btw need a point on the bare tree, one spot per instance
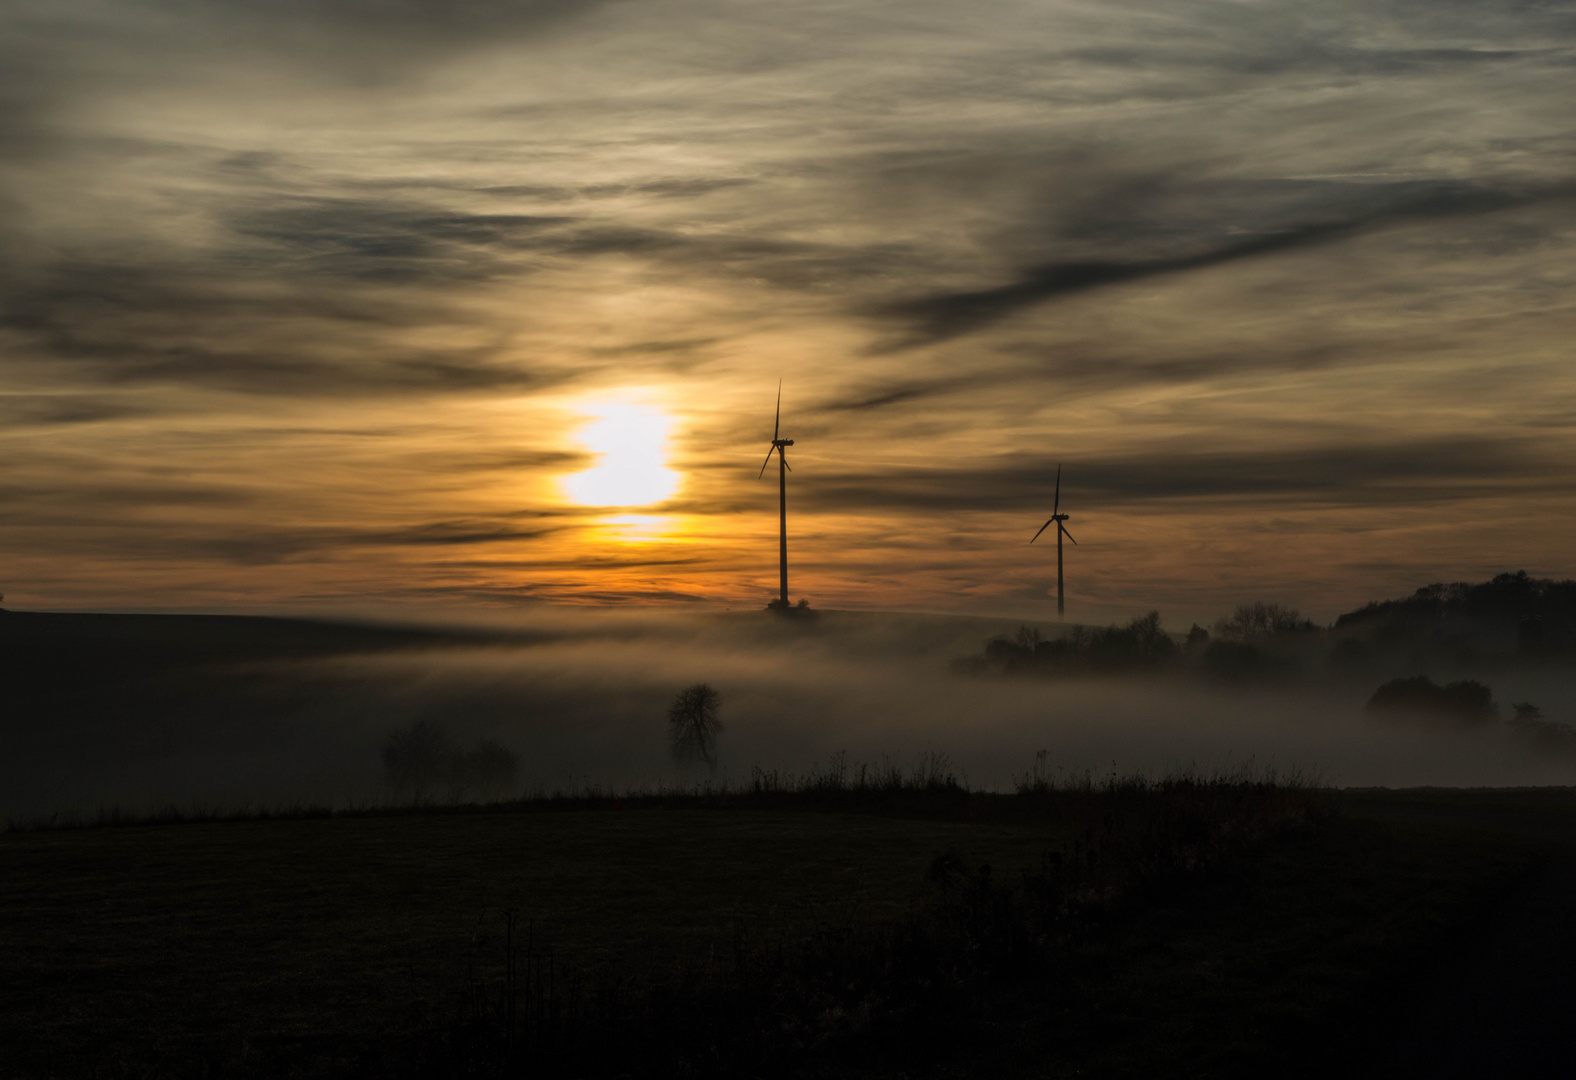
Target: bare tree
(693, 725)
(416, 759)
(1261, 620)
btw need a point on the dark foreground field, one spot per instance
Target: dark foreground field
(1226, 929)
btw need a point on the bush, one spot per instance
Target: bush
(1465, 700)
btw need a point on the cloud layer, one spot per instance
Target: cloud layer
(297, 300)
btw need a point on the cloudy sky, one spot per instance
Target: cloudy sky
(348, 302)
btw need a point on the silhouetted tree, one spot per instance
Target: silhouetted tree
(693, 725)
(1260, 620)
(1539, 611)
(417, 759)
(1197, 638)
(1142, 643)
(489, 768)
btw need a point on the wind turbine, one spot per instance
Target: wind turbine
(782, 494)
(1061, 531)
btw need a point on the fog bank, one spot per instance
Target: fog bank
(581, 699)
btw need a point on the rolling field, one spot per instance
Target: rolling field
(292, 946)
(159, 939)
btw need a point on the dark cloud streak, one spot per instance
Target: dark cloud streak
(943, 316)
(1419, 471)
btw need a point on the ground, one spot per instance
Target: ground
(1414, 931)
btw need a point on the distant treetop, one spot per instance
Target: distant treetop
(1507, 597)
(1261, 620)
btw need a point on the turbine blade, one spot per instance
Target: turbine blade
(785, 463)
(1056, 507)
(1067, 534)
(777, 420)
(765, 463)
(1047, 525)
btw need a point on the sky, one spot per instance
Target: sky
(382, 302)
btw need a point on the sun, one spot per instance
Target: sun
(629, 439)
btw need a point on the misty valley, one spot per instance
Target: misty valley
(769, 844)
(226, 713)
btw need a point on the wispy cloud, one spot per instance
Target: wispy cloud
(940, 316)
(318, 287)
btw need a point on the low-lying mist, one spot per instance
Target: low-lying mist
(581, 699)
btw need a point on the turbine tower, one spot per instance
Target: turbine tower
(1061, 531)
(782, 496)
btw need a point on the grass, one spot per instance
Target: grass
(261, 929)
(1185, 943)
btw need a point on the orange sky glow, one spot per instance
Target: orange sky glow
(308, 309)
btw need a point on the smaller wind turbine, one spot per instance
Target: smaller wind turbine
(782, 494)
(1061, 531)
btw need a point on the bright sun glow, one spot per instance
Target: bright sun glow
(630, 441)
(638, 529)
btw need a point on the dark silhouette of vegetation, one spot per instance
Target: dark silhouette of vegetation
(1460, 626)
(787, 1008)
(416, 760)
(421, 758)
(693, 724)
(489, 769)
(799, 610)
(1533, 616)
(1260, 620)
(931, 775)
(1467, 701)
(1548, 736)
(1239, 662)
(1350, 656)
(1141, 644)
(1244, 909)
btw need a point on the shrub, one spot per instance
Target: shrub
(1465, 700)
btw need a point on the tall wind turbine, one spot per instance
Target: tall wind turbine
(782, 494)
(1061, 531)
